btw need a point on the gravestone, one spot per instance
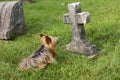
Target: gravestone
(11, 19)
(77, 19)
(31, 1)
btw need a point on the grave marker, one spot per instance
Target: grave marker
(11, 19)
(77, 19)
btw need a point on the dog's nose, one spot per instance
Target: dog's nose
(57, 41)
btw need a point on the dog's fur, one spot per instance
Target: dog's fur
(43, 56)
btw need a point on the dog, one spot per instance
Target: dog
(43, 56)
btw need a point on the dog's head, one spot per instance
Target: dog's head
(48, 41)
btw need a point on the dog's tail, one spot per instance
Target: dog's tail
(24, 64)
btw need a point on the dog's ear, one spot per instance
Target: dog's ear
(41, 35)
(48, 39)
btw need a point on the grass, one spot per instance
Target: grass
(46, 16)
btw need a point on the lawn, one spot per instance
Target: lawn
(46, 16)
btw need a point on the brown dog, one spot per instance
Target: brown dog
(43, 56)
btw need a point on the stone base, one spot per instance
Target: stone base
(83, 48)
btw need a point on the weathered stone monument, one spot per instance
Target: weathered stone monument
(77, 19)
(31, 1)
(11, 19)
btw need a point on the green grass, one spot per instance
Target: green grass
(46, 16)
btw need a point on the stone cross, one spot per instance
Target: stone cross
(77, 19)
